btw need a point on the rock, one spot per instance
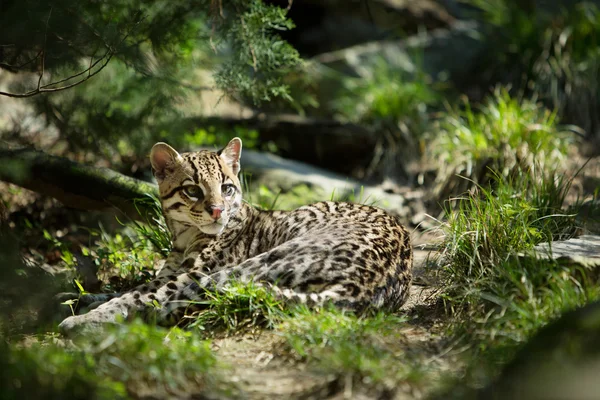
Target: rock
(276, 172)
(584, 250)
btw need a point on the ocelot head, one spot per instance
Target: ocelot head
(200, 188)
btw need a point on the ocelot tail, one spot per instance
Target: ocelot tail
(354, 256)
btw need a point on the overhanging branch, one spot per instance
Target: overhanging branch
(86, 74)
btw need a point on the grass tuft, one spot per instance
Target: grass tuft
(238, 307)
(486, 226)
(388, 95)
(154, 228)
(505, 137)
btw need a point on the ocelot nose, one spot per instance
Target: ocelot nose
(215, 211)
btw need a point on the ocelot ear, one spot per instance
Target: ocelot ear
(231, 154)
(163, 156)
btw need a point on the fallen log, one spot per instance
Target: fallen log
(75, 185)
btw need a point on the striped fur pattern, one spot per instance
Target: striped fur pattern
(352, 255)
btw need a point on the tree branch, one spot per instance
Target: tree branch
(47, 88)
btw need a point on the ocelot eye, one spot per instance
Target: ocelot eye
(228, 190)
(193, 191)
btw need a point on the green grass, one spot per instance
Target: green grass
(505, 136)
(485, 229)
(486, 226)
(367, 348)
(154, 227)
(396, 103)
(361, 347)
(236, 308)
(124, 254)
(496, 299)
(127, 361)
(266, 197)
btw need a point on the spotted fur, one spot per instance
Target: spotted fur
(352, 255)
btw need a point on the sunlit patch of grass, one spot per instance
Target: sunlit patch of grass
(361, 347)
(237, 307)
(505, 136)
(131, 360)
(267, 197)
(486, 226)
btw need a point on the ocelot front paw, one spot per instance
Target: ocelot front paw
(92, 322)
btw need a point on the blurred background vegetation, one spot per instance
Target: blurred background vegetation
(481, 113)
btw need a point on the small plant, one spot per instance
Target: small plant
(124, 255)
(236, 307)
(396, 102)
(505, 137)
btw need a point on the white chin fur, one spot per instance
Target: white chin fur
(212, 229)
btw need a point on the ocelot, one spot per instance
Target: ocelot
(351, 255)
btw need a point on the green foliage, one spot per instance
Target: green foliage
(120, 113)
(52, 373)
(127, 361)
(483, 229)
(504, 137)
(217, 137)
(272, 197)
(566, 72)
(156, 53)
(551, 51)
(344, 343)
(125, 255)
(255, 46)
(266, 198)
(237, 307)
(497, 299)
(388, 96)
(155, 35)
(65, 253)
